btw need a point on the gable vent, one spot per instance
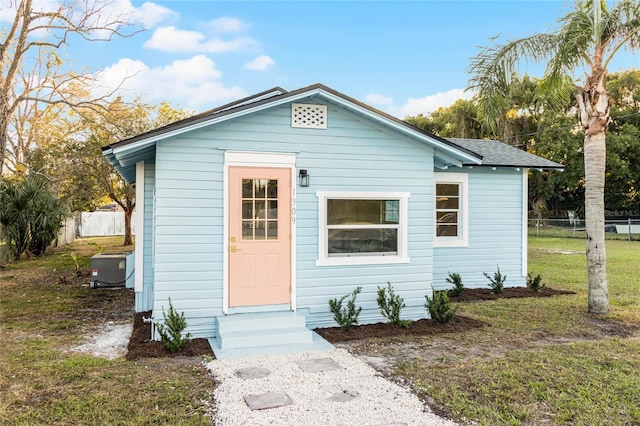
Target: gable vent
(309, 116)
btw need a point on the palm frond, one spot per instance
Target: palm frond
(492, 70)
(621, 28)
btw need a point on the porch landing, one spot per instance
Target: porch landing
(264, 333)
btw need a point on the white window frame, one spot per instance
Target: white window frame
(363, 259)
(462, 239)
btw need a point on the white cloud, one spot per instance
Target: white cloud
(192, 83)
(227, 25)
(261, 63)
(431, 103)
(172, 39)
(151, 14)
(377, 99)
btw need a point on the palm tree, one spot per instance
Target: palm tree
(588, 37)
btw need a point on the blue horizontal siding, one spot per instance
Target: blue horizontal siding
(352, 154)
(144, 299)
(495, 233)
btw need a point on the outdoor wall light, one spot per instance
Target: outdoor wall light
(304, 178)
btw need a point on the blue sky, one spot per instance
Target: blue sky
(402, 57)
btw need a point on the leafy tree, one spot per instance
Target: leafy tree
(32, 73)
(588, 38)
(73, 157)
(459, 120)
(31, 215)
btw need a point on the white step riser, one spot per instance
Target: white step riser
(233, 340)
(249, 324)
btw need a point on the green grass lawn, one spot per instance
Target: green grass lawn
(545, 360)
(44, 313)
(538, 360)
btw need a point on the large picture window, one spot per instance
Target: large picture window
(451, 205)
(362, 228)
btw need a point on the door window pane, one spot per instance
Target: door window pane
(247, 229)
(247, 209)
(260, 186)
(259, 209)
(247, 188)
(272, 212)
(272, 189)
(272, 230)
(260, 212)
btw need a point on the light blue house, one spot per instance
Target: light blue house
(283, 200)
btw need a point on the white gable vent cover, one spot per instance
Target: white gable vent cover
(309, 116)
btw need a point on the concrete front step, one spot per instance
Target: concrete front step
(260, 321)
(262, 329)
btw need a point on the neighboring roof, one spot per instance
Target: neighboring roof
(498, 154)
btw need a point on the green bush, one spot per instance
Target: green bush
(171, 331)
(535, 283)
(497, 282)
(346, 317)
(456, 280)
(31, 215)
(390, 306)
(439, 307)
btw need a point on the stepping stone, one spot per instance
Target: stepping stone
(341, 393)
(252, 373)
(267, 400)
(318, 365)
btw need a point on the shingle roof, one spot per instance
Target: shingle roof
(125, 154)
(498, 154)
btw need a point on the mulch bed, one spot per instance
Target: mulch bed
(479, 294)
(141, 347)
(423, 327)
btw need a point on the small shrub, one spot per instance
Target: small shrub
(497, 282)
(456, 280)
(535, 283)
(171, 331)
(440, 308)
(391, 305)
(74, 257)
(346, 317)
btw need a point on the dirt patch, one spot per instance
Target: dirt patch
(140, 345)
(479, 294)
(423, 327)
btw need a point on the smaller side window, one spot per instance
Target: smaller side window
(447, 209)
(451, 209)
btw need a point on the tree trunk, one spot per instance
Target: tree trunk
(593, 105)
(594, 167)
(128, 211)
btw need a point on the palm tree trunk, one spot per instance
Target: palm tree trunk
(594, 165)
(593, 104)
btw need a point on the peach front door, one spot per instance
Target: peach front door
(259, 236)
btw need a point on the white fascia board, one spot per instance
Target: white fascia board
(317, 91)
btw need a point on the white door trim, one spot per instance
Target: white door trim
(257, 159)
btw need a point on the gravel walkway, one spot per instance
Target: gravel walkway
(321, 388)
